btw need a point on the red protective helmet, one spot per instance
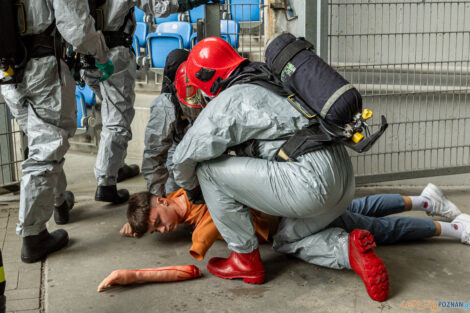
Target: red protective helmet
(210, 59)
(185, 92)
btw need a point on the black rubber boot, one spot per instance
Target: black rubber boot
(39, 246)
(111, 194)
(61, 213)
(127, 171)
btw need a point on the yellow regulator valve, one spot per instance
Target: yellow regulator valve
(9, 71)
(367, 114)
(357, 137)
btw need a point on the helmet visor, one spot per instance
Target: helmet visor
(194, 98)
(191, 113)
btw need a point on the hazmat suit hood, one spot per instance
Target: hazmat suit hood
(173, 61)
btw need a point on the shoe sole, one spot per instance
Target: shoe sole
(120, 180)
(61, 221)
(252, 279)
(42, 256)
(110, 201)
(376, 276)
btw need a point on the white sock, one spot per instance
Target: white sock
(420, 203)
(453, 230)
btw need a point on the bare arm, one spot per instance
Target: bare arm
(146, 275)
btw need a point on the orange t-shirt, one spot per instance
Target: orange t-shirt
(206, 233)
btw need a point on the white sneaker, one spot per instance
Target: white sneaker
(464, 220)
(442, 207)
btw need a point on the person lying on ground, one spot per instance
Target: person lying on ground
(148, 214)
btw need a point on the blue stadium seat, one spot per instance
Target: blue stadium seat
(159, 45)
(88, 95)
(84, 97)
(139, 15)
(197, 13)
(141, 31)
(230, 28)
(169, 18)
(193, 40)
(184, 29)
(245, 10)
(135, 46)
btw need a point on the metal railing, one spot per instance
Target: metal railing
(250, 19)
(11, 150)
(410, 61)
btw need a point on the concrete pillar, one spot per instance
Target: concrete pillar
(212, 25)
(311, 23)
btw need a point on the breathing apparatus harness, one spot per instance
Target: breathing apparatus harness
(321, 132)
(338, 111)
(17, 50)
(78, 62)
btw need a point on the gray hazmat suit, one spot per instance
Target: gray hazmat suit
(117, 92)
(159, 147)
(44, 107)
(309, 193)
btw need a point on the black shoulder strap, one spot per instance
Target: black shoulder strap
(261, 77)
(126, 20)
(288, 53)
(95, 4)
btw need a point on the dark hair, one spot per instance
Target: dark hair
(138, 212)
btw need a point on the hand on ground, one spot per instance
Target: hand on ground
(126, 231)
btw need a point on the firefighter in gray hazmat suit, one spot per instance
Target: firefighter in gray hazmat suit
(165, 129)
(44, 107)
(310, 193)
(117, 93)
(170, 118)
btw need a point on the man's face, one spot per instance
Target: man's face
(163, 217)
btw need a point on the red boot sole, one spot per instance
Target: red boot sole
(254, 280)
(375, 276)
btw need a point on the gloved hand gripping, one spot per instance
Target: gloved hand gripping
(107, 69)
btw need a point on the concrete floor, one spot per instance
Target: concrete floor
(434, 269)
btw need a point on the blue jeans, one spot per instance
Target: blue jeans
(370, 213)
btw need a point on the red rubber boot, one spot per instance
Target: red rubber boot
(239, 265)
(367, 264)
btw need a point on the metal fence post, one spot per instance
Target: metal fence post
(11, 148)
(212, 23)
(319, 30)
(6, 144)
